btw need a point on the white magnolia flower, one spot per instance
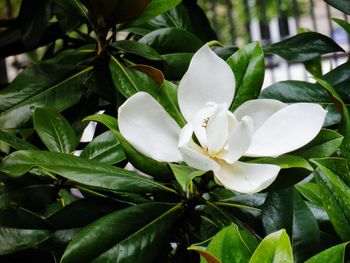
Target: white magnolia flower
(257, 128)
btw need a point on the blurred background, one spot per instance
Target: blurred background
(238, 22)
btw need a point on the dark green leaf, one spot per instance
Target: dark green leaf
(325, 144)
(15, 142)
(137, 48)
(335, 193)
(314, 66)
(286, 209)
(176, 65)
(249, 70)
(154, 8)
(172, 40)
(34, 197)
(82, 171)
(21, 229)
(105, 148)
(275, 247)
(129, 81)
(344, 127)
(110, 238)
(54, 130)
(311, 192)
(33, 21)
(70, 216)
(185, 174)
(39, 86)
(286, 161)
(75, 8)
(304, 46)
(342, 5)
(335, 254)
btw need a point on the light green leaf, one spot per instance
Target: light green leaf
(185, 174)
(335, 254)
(286, 209)
(275, 247)
(229, 246)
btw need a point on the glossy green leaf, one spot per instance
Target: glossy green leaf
(275, 247)
(176, 65)
(333, 179)
(110, 238)
(292, 91)
(229, 246)
(15, 142)
(108, 121)
(172, 40)
(286, 161)
(80, 170)
(311, 192)
(185, 174)
(324, 144)
(335, 254)
(40, 86)
(129, 81)
(249, 70)
(314, 66)
(137, 48)
(167, 96)
(344, 127)
(286, 209)
(104, 148)
(342, 5)
(54, 130)
(154, 8)
(304, 46)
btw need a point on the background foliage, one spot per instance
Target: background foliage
(56, 206)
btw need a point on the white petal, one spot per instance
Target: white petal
(199, 123)
(246, 178)
(217, 131)
(208, 78)
(287, 130)
(239, 141)
(192, 154)
(149, 128)
(259, 110)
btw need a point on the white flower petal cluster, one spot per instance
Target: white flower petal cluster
(258, 128)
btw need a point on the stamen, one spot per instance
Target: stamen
(205, 122)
